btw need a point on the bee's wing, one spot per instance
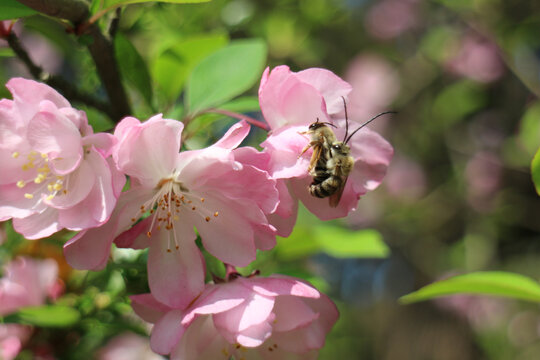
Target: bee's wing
(336, 197)
(317, 153)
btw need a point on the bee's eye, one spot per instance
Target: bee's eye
(313, 126)
(336, 147)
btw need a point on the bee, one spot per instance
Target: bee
(321, 138)
(331, 162)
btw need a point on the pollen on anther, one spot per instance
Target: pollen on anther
(133, 219)
(15, 154)
(216, 214)
(57, 187)
(168, 250)
(50, 197)
(193, 208)
(28, 196)
(20, 184)
(149, 234)
(202, 199)
(177, 247)
(207, 218)
(65, 191)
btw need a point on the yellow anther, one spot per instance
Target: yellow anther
(44, 156)
(15, 154)
(50, 197)
(216, 214)
(20, 184)
(175, 218)
(50, 187)
(28, 196)
(57, 186)
(25, 167)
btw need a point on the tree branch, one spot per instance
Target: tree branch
(101, 49)
(57, 82)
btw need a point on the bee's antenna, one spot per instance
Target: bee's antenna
(367, 122)
(346, 119)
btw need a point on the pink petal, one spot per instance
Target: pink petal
(103, 142)
(291, 313)
(148, 308)
(228, 236)
(234, 136)
(39, 225)
(331, 87)
(281, 285)
(254, 335)
(149, 151)
(27, 94)
(167, 332)
(90, 249)
(201, 341)
(253, 311)
(176, 277)
(285, 146)
(136, 237)
(15, 205)
(218, 298)
(51, 133)
(77, 186)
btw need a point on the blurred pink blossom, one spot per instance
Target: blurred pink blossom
(249, 318)
(12, 339)
(375, 84)
(477, 59)
(128, 346)
(27, 282)
(388, 19)
(483, 176)
(290, 102)
(406, 179)
(171, 193)
(54, 171)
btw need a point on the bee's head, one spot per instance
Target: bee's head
(340, 148)
(317, 125)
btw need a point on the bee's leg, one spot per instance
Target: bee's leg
(310, 144)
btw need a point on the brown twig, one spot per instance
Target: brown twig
(101, 48)
(232, 114)
(57, 82)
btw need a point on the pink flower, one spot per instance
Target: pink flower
(290, 102)
(249, 318)
(128, 346)
(54, 171)
(226, 200)
(27, 282)
(12, 338)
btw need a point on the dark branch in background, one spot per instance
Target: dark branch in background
(101, 49)
(57, 82)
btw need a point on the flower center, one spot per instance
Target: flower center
(165, 206)
(40, 174)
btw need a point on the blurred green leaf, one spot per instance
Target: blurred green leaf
(497, 283)
(225, 74)
(12, 9)
(173, 65)
(6, 52)
(45, 316)
(457, 101)
(529, 132)
(108, 3)
(535, 171)
(133, 68)
(242, 104)
(298, 245)
(344, 243)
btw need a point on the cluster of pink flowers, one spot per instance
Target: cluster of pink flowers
(56, 173)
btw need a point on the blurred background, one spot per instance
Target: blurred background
(464, 77)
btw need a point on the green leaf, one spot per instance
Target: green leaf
(173, 65)
(133, 68)
(529, 130)
(12, 9)
(225, 74)
(242, 104)
(535, 171)
(497, 283)
(457, 101)
(45, 316)
(344, 243)
(6, 52)
(108, 3)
